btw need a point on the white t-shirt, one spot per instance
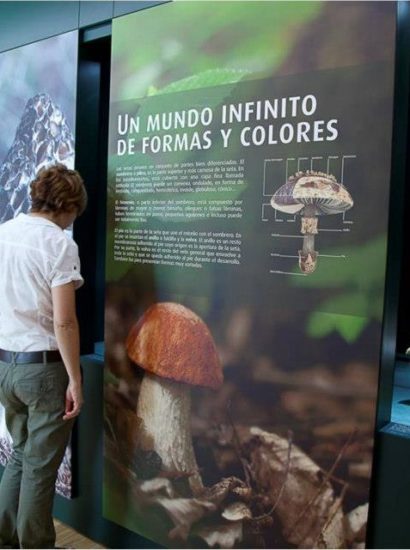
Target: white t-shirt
(35, 255)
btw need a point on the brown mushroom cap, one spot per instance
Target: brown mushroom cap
(171, 341)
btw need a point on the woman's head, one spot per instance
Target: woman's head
(57, 190)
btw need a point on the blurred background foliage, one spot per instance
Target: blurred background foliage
(361, 279)
(245, 36)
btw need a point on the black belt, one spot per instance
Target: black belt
(22, 357)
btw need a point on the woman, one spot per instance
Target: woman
(40, 379)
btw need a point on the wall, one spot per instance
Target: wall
(24, 22)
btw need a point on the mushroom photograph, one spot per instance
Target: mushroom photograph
(176, 350)
(311, 194)
(209, 442)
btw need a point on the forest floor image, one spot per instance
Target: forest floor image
(283, 457)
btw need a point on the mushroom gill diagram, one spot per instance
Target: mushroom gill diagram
(311, 194)
(176, 349)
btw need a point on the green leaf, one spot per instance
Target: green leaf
(152, 90)
(363, 267)
(206, 79)
(347, 303)
(357, 283)
(348, 326)
(184, 38)
(206, 90)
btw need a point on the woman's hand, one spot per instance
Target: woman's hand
(73, 400)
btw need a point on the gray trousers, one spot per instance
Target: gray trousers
(34, 399)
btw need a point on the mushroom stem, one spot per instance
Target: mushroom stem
(308, 254)
(164, 407)
(308, 244)
(309, 225)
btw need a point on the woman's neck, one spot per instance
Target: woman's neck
(50, 216)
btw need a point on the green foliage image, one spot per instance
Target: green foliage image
(361, 279)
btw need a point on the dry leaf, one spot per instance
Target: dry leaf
(355, 524)
(223, 536)
(306, 507)
(244, 493)
(333, 533)
(237, 511)
(218, 492)
(184, 512)
(361, 469)
(157, 487)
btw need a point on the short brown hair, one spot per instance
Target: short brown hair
(58, 189)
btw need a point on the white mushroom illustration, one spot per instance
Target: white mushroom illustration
(311, 194)
(176, 349)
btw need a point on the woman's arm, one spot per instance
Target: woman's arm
(68, 340)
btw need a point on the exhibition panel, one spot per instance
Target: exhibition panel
(37, 128)
(248, 184)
